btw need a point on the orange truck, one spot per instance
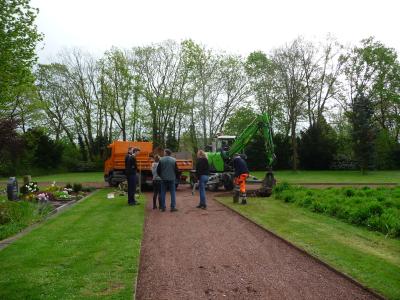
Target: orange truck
(114, 166)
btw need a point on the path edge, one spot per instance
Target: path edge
(140, 249)
(318, 260)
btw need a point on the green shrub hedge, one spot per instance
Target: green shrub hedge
(15, 216)
(377, 209)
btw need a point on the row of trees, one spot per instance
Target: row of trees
(180, 95)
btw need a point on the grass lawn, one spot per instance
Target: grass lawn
(367, 256)
(66, 177)
(334, 176)
(90, 251)
(288, 176)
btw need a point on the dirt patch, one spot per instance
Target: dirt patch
(216, 254)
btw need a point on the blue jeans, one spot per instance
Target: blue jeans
(202, 189)
(168, 184)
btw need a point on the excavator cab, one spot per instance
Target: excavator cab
(223, 143)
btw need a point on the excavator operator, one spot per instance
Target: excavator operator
(241, 173)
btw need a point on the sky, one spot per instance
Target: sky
(237, 27)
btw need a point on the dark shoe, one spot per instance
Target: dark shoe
(174, 209)
(204, 207)
(244, 201)
(162, 209)
(154, 207)
(199, 206)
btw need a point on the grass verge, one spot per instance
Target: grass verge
(366, 256)
(90, 251)
(66, 177)
(334, 176)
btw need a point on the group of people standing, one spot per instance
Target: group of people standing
(165, 172)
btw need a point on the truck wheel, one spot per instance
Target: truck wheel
(212, 187)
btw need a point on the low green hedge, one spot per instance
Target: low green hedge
(15, 216)
(377, 209)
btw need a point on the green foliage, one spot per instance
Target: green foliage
(77, 187)
(62, 195)
(15, 216)
(41, 151)
(283, 151)
(18, 40)
(11, 147)
(376, 209)
(31, 187)
(363, 132)
(317, 147)
(386, 151)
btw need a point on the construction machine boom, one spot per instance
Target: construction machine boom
(225, 147)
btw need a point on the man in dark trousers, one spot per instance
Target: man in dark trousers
(241, 174)
(130, 172)
(167, 169)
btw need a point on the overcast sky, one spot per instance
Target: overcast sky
(238, 27)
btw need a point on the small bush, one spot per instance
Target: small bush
(88, 189)
(31, 187)
(349, 192)
(77, 187)
(280, 187)
(14, 216)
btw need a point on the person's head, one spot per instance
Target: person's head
(201, 154)
(167, 152)
(130, 150)
(156, 158)
(135, 150)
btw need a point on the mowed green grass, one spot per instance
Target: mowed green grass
(90, 251)
(281, 176)
(367, 256)
(334, 176)
(66, 177)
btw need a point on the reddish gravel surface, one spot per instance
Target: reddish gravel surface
(217, 254)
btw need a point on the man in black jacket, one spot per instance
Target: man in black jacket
(130, 172)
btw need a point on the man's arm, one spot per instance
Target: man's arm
(159, 168)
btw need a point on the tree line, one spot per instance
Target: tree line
(330, 105)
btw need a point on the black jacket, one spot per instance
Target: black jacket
(240, 166)
(130, 165)
(202, 167)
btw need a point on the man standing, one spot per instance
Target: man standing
(130, 172)
(241, 173)
(167, 169)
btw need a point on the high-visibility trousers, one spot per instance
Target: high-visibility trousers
(241, 182)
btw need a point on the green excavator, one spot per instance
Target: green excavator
(224, 148)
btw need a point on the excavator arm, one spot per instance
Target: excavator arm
(260, 123)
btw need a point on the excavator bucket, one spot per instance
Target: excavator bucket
(267, 184)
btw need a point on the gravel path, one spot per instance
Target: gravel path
(217, 254)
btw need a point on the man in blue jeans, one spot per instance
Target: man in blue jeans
(167, 169)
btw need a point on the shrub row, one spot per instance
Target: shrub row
(14, 216)
(377, 209)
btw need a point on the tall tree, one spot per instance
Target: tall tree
(291, 75)
(363, 132)
(18, 39)
(322, 67)
(263, 81)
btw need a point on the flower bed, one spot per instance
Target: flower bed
(34, 205)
